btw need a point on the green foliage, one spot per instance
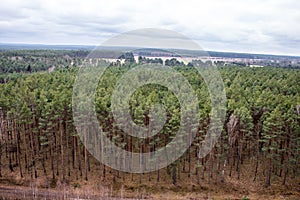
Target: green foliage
(263, 100)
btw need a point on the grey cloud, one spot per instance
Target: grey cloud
(216, 25)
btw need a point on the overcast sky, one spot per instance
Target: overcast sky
(257, 26)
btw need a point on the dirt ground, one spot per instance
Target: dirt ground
(128, 186)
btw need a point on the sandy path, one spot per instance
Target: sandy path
(29, 193)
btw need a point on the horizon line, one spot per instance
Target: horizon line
(93, 46)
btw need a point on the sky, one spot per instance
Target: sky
(253, 26)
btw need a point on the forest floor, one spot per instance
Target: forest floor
(130, 187)
(117, 185)
(10, 192)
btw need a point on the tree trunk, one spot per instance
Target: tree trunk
(18, 153)
(223, 171)
(268, 177)
(62, 150)
(33, 150)
(52, 159)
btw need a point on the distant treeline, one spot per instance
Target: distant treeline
(28, 61)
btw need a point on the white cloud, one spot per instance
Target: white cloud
(270, 26)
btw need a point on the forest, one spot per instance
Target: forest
(260, 140)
